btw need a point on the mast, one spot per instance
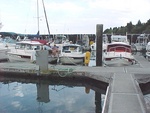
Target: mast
(46, 19)
(38, 16)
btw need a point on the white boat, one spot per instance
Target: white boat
(119, 38)
(25, 51)
(6, 43)
(148, 47)
(118, 54)
(148, 51)
(72, 54)
(141, 42)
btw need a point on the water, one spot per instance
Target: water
(29, 97)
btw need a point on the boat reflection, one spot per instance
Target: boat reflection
(46, 86)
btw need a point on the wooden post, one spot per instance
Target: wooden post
(98, 102)
(99, 44)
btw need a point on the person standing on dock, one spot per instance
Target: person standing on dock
(87, 58)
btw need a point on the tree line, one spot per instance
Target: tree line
(139, 28)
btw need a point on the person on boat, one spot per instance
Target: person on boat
(55, 50)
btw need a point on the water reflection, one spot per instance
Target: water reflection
(44, 95)
(42, 92)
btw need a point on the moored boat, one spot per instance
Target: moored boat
(26, 51)
(72, 54)
(118, 54)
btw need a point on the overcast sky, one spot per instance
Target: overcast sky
(71, 16)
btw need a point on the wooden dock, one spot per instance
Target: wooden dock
(123, 93)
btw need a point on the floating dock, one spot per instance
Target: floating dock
(123, 93)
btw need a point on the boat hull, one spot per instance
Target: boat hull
(3, 55)
(18, 58)
(148, 56)
(118, 62)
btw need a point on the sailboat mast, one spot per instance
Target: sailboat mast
(38, 15)
(46, 19)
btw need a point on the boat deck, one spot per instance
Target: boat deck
(123, 95)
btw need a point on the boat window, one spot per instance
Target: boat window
(28, 47)
(20, 46)
(38, 47)
(65, 48)
(73, 48)
(17, 46)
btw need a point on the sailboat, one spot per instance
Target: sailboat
(25, 50)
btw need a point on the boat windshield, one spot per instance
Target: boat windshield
(28, 46)
(71, 48)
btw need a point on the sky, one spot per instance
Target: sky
(70, 16)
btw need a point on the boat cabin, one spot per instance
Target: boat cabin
(116, 47)
(29, 45)
(119, 38)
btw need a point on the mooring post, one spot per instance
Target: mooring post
(98, 102)
(99, 44)
(42, 60)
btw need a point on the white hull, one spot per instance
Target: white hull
(148, 56)
(118, 62)
(3, 55)
(15, 58)
(118, 58)
(18, 58)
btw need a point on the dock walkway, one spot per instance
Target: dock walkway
(123, 95)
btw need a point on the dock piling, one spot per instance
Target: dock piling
(42, 60)
(99, 44)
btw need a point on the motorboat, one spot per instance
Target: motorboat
(119, 38)
(72, 54)
(147, 54)
(6, 43)
(148, 47)
(141, 42)
(118, 54)
(26, 51)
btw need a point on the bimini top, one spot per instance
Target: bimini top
(30, 42)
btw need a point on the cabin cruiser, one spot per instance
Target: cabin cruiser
(26, 51)
(72, 54)
(118, 53)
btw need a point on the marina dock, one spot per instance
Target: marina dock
(123, 94)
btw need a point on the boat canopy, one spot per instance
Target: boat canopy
(118, 48)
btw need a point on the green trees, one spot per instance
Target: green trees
(139, 28)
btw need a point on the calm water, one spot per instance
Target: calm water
(28, 97)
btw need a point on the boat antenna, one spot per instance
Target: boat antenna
(38, 15)
(46, 19)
